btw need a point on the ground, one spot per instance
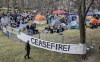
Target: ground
(13, 50)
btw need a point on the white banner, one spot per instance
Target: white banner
(11, 30)
(52, 46)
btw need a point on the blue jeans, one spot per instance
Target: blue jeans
(31, 32)
(28, 31)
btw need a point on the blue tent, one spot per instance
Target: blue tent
(53, 21)
(97, 12)
(72, 18)
(89, 13)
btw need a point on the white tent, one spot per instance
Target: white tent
(5, 20)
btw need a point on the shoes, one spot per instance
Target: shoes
(29, 57)
(25, 57)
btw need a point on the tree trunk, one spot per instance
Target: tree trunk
(1, 4)
(23, 4)
(82, 30)
(7, 5)
(81, 14)
(82, 22)
(98, 5)
(14, 5)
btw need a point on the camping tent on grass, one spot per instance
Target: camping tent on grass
(60, 12)
(40, 19)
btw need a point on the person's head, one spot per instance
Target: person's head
(96, 18)
(28, 41)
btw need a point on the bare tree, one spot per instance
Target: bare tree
(83, 8)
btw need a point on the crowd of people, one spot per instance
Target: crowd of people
(31, 29)
(54, 29)
(15, 19)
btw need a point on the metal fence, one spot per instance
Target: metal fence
(48, 37)
(57, 38)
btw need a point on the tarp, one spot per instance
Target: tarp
(21, 26)
(60, 12)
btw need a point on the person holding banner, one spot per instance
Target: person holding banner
(27, 48)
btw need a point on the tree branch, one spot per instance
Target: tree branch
(75, 2)
(92, 1)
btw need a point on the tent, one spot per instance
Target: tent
(5, 20)
(4, 8)
(94, 21)
(73, 21)
(97, 12)
(64, 25)
(89, 17)
(57, 23)
(89, 13)
(40, 19)
(60, 12)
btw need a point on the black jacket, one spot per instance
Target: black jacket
(27, 47)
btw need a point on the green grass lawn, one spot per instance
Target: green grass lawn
(12, 50)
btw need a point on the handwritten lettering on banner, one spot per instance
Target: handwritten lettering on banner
(52, 46)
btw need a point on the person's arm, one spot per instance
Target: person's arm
(30, 46)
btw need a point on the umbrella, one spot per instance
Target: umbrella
(60, 12)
